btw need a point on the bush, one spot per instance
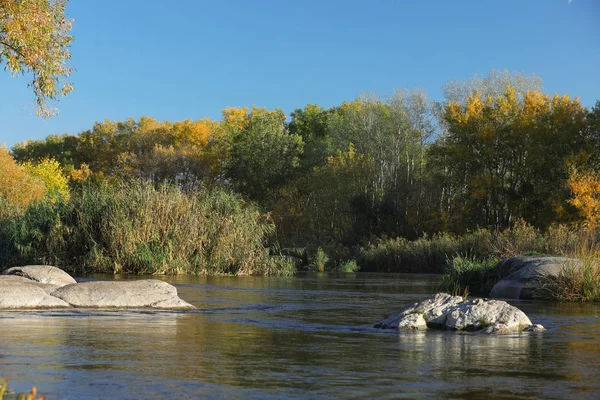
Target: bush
(137, 228)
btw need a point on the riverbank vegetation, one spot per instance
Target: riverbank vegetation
(397, 184)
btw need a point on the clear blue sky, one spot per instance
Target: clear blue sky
(191, 58)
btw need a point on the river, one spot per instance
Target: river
(307, 336)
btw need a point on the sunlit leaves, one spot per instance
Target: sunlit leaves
(18, 188)
(53, 176)
(586, 196)
(34, 38)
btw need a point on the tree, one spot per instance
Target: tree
(264, 155)
(506, 156)
(34, 38)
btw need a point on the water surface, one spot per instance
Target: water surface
(307, 336)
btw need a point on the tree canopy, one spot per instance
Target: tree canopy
(35, 39)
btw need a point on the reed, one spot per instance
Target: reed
(135, 227)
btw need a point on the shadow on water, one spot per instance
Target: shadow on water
(307, 336)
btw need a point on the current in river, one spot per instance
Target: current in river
(304, 337)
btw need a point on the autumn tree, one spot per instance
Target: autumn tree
(18, 187)
(586, 196)
(35, 39)
(506, 156)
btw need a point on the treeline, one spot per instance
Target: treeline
(496, 152)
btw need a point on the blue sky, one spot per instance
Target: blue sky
(191, 58)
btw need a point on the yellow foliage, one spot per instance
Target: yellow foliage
(34, 37)
(235, 117)
(195, 132)
(17, 186)
(51, 173)
(82, 174)
(586, 196)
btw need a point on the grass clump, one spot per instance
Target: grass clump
(319, 261)
(577, 281)
(136, 227)
(348, 266)
(469, 274)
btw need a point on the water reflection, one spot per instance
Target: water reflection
(307, 336)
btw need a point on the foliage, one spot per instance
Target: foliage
(586, 196)
(51, 173)
(506, 157)
(18, 188)
(34, 38)
(264, 154)
(348, 266)
(137, 228)
(399, 183)
(469, 274)
(432, 254)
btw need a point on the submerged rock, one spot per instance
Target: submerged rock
(42, 273)
(122, 294)
(444, 311)
(522, 277)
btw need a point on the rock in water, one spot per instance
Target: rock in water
(432, 310)
(15, 294)
(122, 294)
(472, 315)
(444, 311)
(522, 276)
(42, 273)
(46, 287)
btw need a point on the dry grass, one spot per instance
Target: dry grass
(578, 282)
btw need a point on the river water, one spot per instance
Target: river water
(307, 336)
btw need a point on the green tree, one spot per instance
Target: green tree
(34, 38)
(264, 154)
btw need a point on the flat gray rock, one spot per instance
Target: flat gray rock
(443, 311)
(22, 294)
(16, 279)
(42, 273)
(122, 294)
(522, 276)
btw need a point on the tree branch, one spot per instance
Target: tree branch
(16, 50)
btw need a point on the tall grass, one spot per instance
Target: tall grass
(469, 274)
(576, 281)
(134, 227)
(432, 255)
